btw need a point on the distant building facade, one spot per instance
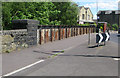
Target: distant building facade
(119, 17)
(109, 16)
(85, 15)
(119, 12)
(119, 5)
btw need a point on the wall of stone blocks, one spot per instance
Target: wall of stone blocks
(14, 40)
(20, 38)
(38, 34)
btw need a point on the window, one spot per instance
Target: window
(83, 16)
(103, 12)
(113, 12)
(78, 17)
(88, 17)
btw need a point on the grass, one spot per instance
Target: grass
(56, 54)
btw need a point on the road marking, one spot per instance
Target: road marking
(116, 59)
(23, 68)
(69, 48)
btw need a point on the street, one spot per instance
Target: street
(78, 59)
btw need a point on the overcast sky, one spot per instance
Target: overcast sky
(102, 5)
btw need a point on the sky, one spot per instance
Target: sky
(102, 5)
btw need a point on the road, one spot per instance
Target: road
(78, 60)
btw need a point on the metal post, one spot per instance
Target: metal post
(98, 44)
(99, 33)
(89, 36)
(104, 43)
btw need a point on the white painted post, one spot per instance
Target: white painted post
(38, 36)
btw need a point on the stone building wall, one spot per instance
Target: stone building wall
(109, 16)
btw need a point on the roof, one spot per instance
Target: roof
(86, 8)
(81, 7)
(109, 11)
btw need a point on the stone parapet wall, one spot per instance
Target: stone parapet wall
(18, 39)
(9, 32)
(14, 40)
(38, 34)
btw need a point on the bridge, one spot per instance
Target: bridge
(63, 51)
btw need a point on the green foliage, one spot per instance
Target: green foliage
(48, 13)
(115, 27)
(42, 11)
(6, 15)
(68, 14)
(101, 25)
(109, 26)
(95, 24)
(87, 24)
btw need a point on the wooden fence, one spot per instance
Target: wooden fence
(52, 33)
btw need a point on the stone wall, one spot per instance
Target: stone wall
(34, 34)
(0, 43)
(18, 39)
(14, 40)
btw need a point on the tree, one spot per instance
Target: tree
(6, 15)
(42, 11)
(69, 12)
(48, 13)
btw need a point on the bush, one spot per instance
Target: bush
(101, 25)
(87, 24)
(115, 27)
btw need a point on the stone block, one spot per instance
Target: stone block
(7, 39)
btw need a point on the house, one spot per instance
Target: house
(109, 16)
(95, 20)
(85, 15)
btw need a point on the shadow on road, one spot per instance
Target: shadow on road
(79, 55)
(48, 52)
(94, 46)
(43, 52)
(118, 35)
(93, 56)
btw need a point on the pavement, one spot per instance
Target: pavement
(78, 59)
(18, 59)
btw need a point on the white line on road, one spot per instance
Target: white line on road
(23, 68)
(69, 48)
(116, 59)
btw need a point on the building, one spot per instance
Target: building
(119, 16)
(95, 20)
(85, 15)
(109, 16)
(119, 5)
